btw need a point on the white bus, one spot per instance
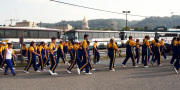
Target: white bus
(30, 34)
(102, 37)
(124, 35)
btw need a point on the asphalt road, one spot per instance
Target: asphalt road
(128, 78)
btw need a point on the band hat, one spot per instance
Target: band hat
(9, 42)
(3, 42)
(112, 38)
(76, 41)
(45, 42)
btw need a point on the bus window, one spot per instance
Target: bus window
(101, 35)
(10, 33)
(43, 34)
(33, 34)
(90, 35)
(26, 33)
(52, 34)
(1, 33)
(106, 35)
(136, 35)
(111, 34)
(116, 35)
(128, 34)
(132, 34)
(95, 35)
(140, 35)
(81, 35)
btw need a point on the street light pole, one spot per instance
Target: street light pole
(126, 12)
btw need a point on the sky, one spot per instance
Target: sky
(48, 11)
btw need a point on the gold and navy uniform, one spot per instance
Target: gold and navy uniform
(162, 49)
(65, 47)
(96, 53)
(137, 53)
(76, 58)
(24, 50)
(146, 51)
(175, 51)
(111, 47)
(157, 53)
(3, 50)
(46, 59)
(54, 61)
(85, 59)
(41, 58)
(152, 48)
(70, 48)
(60, 53)
(32, 59)
(130, 52)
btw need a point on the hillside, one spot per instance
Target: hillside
(104, 24)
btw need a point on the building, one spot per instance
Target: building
(66, 27)
(26, 23)
(85, 25)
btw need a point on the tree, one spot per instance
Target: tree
(146, 28)
(136, 28)
(126, 28)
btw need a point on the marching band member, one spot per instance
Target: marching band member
(65, 49)
(143, 51)
(130, 52)
(70, 49)
(112, 48)
(8, 53)
(32, 58)
(46, 55)
(176, 55)
(24, 50)
(88, 51)
(162, 48)
(1, 55)
(96, 52)
(157, 52)
(52, 56)
(152, 48)
(4, 47)
(76, 59)
(137, 51)
(174, 45)
(60, 52)
(41, 52)
(85, 56)
(148, 50)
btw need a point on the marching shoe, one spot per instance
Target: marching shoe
(123, 65)
(175, 70)
(68, 71)
(26, 71)
(146, 66)
(135, 66)
(50, 72)
(37, 71)
(88, 73)
(78, 70)
(112, 70)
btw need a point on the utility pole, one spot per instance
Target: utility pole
(126, 12)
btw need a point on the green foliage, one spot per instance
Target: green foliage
(118, 24)
(126, 28)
